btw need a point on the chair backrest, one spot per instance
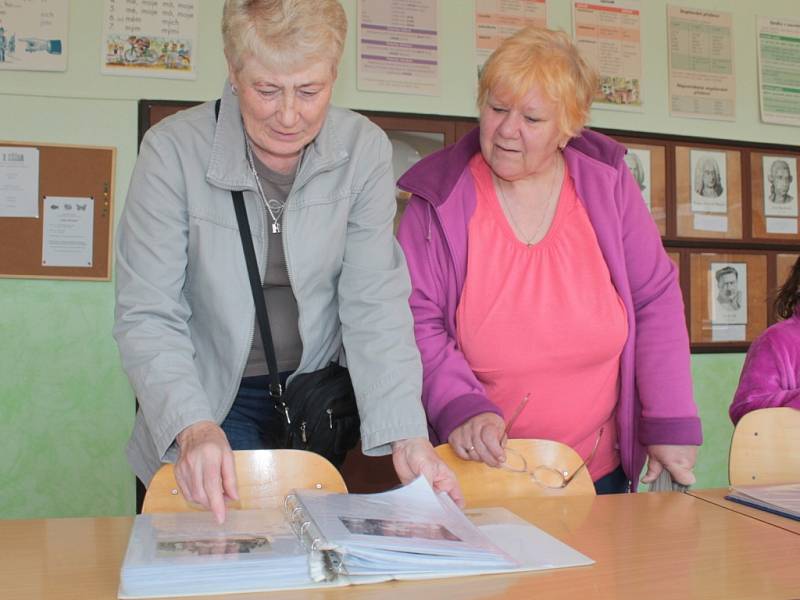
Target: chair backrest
(264, 478)
(482, 484)
(765, 449)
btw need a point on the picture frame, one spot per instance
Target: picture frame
(708, 192)
(648, 164)
(728, 298)
(774, 194)
(784, 261)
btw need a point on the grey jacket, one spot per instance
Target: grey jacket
(184, 311)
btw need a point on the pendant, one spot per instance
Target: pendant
(276, 227)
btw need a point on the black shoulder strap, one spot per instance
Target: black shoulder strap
(275, 388)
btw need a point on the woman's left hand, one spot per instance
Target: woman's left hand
(678, 460)
(414, 457)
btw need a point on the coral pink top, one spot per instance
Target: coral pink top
(546, 320)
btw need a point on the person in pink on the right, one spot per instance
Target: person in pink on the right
(771, 373)
(538, 271)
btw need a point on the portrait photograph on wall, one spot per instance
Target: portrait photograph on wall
(728, 299)
(648, 166)
(780, 186)
(709, 181)
(638, 161)
(708, 192)
(728, 293)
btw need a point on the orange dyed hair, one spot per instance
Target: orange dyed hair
(533, 57)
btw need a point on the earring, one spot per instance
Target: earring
(234, 91)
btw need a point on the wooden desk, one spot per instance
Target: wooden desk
(717, 496)
(646, 545)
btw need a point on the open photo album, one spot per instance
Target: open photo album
(323, 540)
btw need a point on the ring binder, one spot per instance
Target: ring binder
(321, 540)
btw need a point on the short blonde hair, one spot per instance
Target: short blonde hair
(285, 34)
(538, 57)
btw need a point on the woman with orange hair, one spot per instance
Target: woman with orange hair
(538, 273)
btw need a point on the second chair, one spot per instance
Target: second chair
(482, 484)
(264, 478)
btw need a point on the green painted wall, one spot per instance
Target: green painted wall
(65, 405)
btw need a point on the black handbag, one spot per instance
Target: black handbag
(319, 408)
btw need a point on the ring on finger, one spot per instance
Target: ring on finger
(471, 449)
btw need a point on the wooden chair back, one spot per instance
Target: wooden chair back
(264, 478)
(765, 449)
(483, 485)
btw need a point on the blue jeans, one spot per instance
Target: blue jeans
(615, 482)
(253, 422)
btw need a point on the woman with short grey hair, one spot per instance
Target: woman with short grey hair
(319, 195)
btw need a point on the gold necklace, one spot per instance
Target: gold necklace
(528, 240)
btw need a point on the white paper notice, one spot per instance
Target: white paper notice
(149, 38)
(398, 46)
(68, 232)
(19, 182)
(33, 35)
(728, 333)
(777, 225)
(702, 81)
(496, 20)
(710, 223)
(779, 69)
(608, 34)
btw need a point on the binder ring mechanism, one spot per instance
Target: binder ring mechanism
(325, 562)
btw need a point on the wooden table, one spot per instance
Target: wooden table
(653, 546)
(717, 496)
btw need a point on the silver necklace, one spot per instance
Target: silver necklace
(528, 240)
(274, 207)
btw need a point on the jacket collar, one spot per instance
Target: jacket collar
(228, 168)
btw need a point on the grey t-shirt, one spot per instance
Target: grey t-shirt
(281, 303)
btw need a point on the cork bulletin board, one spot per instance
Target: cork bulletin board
(64, 171)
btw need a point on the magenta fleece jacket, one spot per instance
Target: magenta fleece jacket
(655, 403)
(771, 371)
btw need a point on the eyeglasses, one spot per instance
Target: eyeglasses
(544, 475)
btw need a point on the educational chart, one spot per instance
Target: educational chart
(609, 37)
(779, 70)
(33, 35)
(398, 46)
(702, 81)
(150, 38)
(496, 20)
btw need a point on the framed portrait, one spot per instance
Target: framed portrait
(784, 262)
(647, 162)
(709, 181)
(728, 298)
(728, 293)
(708, 191)
(774, 194)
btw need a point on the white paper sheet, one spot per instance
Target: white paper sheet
(19, 182)
(68, 232)
(33, 35)
(728, 333)
(777, 225)
(149, 38)
(398, 46)
(710, 223)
